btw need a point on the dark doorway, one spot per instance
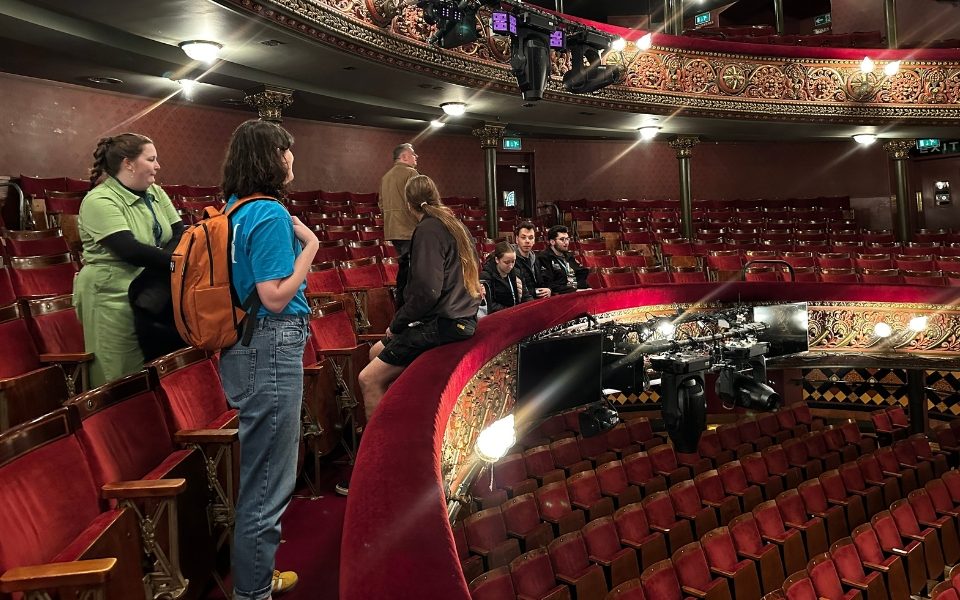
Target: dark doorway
(515, 182)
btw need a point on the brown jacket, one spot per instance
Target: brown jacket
(398, 221)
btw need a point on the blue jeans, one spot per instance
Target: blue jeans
(264, 381)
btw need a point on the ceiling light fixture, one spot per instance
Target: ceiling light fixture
(865, 138)
(104, 80)
(649, 132)
(454, 109)
(202, 50)
(645, 42)
(437, 123)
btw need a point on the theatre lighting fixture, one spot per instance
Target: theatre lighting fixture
(645, 42)
(598, 418)
(531, 37)
(587, 72)
(865, 138)
(917, 324)
(437, 123)
(454, 109)
(867, 65)
(202, 50)
(882, 330)
(456, 21)
(618, 44)
(496, 440)
(683, 397)
(649, 132)
(891, 68)
(187, 86)
(666, 329)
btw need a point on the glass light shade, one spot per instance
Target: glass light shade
(496, 440)
(866, 65)
(202, 50)
(882, 330)
(454, 109)
(645, 42)
(437, 123)
(618, 44)
(648, 133)
(891, 68)
(865, 138)
(917, 324)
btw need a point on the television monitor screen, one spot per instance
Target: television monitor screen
(555, 374)
(557, 40)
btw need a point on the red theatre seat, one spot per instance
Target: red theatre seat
(35, 276)
(854, 574)
(740, 574)
(534, 579)
(604, 549)
(521, 517)
(634, 532)
(493, 585)
(751, 546)
(487, 537)
(690, 564)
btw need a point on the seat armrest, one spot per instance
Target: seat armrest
(339, 351)
(154, 488)
(70, 357)
(206, 436)
(80, 573)
(370, 337)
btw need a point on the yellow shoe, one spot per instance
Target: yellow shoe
(284, 581)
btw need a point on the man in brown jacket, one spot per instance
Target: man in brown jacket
(398, 221)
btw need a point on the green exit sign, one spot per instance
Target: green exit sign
(511, 144)
(821, 20)
(702, 19)
(927, 143)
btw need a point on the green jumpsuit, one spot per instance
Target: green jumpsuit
(100, 289)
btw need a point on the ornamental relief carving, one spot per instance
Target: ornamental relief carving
(658, 80)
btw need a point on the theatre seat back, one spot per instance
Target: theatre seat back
(331, 327)
(190, 384)
(56, 328)
(18, 355)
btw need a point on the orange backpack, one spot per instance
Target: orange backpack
(206, 310)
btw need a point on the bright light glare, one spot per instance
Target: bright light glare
(201, 50)
(865, 138)
(618, 44)
(437, 123)
(645, 42)
(648, 133)
(494, 441)
(917, 324)
(867, 65)
(882, 330)
(891, 68)
(666, 329)
(454, 109)
(187, 85)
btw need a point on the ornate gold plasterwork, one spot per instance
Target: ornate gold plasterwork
(490, 135)
(899, 149)
(660, 80)
(683, 145)
(269, 101)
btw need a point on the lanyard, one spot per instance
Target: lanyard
(157, 229)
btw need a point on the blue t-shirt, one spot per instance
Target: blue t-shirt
(264, 248)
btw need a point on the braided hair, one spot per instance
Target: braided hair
(110, 152)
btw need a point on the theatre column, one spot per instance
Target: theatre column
(890, 18)
(684, 144)
(899, 151)
(490, 135)
(778, 16)
(269, 100)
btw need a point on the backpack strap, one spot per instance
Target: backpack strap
(246, 200)
(250, 306)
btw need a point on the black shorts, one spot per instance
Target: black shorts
(400, 349)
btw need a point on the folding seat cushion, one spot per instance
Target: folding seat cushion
(709, 447)
(793, 554)
(690, 564)
(874, 475)
(835, 442)
(730, 440)
(799, 587)
(778, 464)
(631, 590)
(363, 278)
(640, 472)
(603, 548)
(852, 434)
(750, 433)
(53, 512)
(755, 469)
(826, 581)
(595, 449)
(856, 485)
(510, 474)
(470, 564)
(910, 529)
(555, 508)
(540, 465)
(722, 558)
(664, 461)
(687, 505)
(926, 516)
(36, 276)
(660, 581)
(487, 537)
(571, 565)
(799, 457)
(495, 584)
(710, 488)
(634, 532)
(126, 436)
(735, 484)
(836, 492)
(815, 503)
(613, 484)
(938, 460)
(584, 490)
(333, 336)
(795, 516)
(566, 456)
(662, 517)
(191, 390)
(521, 517)
(890, 565)
(533, 577)
(851, 571)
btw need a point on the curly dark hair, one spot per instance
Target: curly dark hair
(254, 163)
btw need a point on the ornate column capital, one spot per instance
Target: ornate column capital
(269, 100)
(899, 149)
(684, 144)
(490, 134)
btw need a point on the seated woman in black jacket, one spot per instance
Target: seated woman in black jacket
(504, 286)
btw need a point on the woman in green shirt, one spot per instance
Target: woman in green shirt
(125, 223)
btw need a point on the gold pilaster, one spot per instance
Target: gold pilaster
(490, 135)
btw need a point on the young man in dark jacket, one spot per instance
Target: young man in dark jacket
(559, 270)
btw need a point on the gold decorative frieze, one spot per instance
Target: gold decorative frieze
(849, 327)
(659, 80)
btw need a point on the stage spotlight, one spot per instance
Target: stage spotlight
(456, 22)
(683, 397)
(496, 440)
(598, 418)
(530, 54)
(587, 73)
(743, 390)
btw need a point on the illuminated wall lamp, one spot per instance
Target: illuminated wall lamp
(202, 50)
(865, 138)
(648, 133)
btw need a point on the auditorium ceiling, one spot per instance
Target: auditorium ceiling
(136, 43)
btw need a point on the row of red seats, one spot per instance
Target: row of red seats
(798, 204)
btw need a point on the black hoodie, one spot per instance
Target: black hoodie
(502, 292)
